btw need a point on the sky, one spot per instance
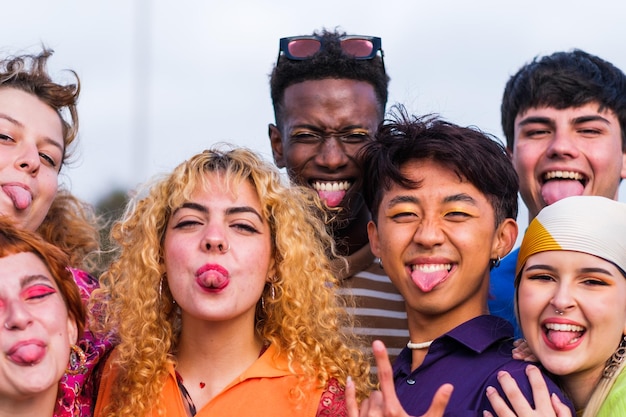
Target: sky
(163, 80)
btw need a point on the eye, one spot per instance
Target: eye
(186, 223)
(540, 277)
(37, 292)
(457, 215)
(590, 281)
(48, 159)
(404, 216)
(306, 137)
(245, 228)
(358, 136)
(5, 138)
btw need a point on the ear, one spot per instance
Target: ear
(623, 173)
(72, 330)
(506, 235)
(276, 142)
(372, 233)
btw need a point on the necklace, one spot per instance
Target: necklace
(423, 345)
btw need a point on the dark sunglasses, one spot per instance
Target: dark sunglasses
(298, 48)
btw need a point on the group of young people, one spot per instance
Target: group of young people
(237, 291)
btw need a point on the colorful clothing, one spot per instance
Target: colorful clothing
(262, 390)
(380, 311)
(502, 291)
(77, 392)
(615, 403)
(469, 357)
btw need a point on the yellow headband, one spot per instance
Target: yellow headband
(588, 224)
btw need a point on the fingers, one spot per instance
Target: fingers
(541, 395)
(499, 405)
(386, 400)
(522, 351)
(561, 409)
(352, 407)
(440, 401)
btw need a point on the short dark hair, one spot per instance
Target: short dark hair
(329, 62)
(562, 80)
(472, 154)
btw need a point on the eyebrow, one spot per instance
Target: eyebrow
(231, 210)
(588, 270)
(46, 139)
(414, 200)
(29, 279)
(576, 120)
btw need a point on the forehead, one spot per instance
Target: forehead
(336, 98)
(14, 267)
(569, 114)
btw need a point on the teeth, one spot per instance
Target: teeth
(564, 327)
(431, 267)
(569, 175)
(331, 186)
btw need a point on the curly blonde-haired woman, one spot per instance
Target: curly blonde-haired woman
(223, 299)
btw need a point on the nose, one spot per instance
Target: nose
(18, 317)
(215, 241)
(562, 145)
(563, 299)
(428, 234)
(28, 159)
(332, 154)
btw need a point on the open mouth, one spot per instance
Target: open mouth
(332, 192)
(563, 335)
(560, 184)
(428, 276)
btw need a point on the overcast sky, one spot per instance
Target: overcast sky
(163, 80)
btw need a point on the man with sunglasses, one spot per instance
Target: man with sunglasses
(329, 92)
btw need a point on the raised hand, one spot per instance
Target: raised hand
(385, 403)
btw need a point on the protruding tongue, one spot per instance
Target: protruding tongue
(332, 198)
(21, 197)
(27, 354)
(213, 279)
(562, 339)
(426, 281)
(555, 190)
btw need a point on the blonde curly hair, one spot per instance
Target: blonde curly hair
(305, 319)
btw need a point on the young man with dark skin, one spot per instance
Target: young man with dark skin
(329, 92)
(564, 118)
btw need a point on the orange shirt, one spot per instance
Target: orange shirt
(262, 390)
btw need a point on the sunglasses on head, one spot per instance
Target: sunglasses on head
(298, 48)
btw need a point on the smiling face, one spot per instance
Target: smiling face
(560, 153)
(217, 252)
(31, 154)
(324, 124)
(436, 241)
(591, 293)
(36, 331)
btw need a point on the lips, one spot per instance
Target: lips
(562, 336)
(212, 277)
(19, 194)
(27, 353)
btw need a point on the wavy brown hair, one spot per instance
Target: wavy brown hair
(305, 320)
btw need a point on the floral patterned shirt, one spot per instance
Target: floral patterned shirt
(77, 393)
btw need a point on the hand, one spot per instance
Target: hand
(522, 351)
(546, 405)
(385, 403)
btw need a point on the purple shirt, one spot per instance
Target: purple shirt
(469, 357)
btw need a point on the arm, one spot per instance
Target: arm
(545, 404)
(385, 402)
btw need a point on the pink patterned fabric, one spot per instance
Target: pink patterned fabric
(333, 401)
(77, 393)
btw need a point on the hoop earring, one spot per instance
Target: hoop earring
(615, 360)
(77, 361)
(496, 262)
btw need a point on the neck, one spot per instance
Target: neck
(580, 387)
(350, 229)
(227, 349)
(36, 405)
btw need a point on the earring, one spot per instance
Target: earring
(496, 262)
(77, 361)
(272, 291)
(380, 263)
(615, 360)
